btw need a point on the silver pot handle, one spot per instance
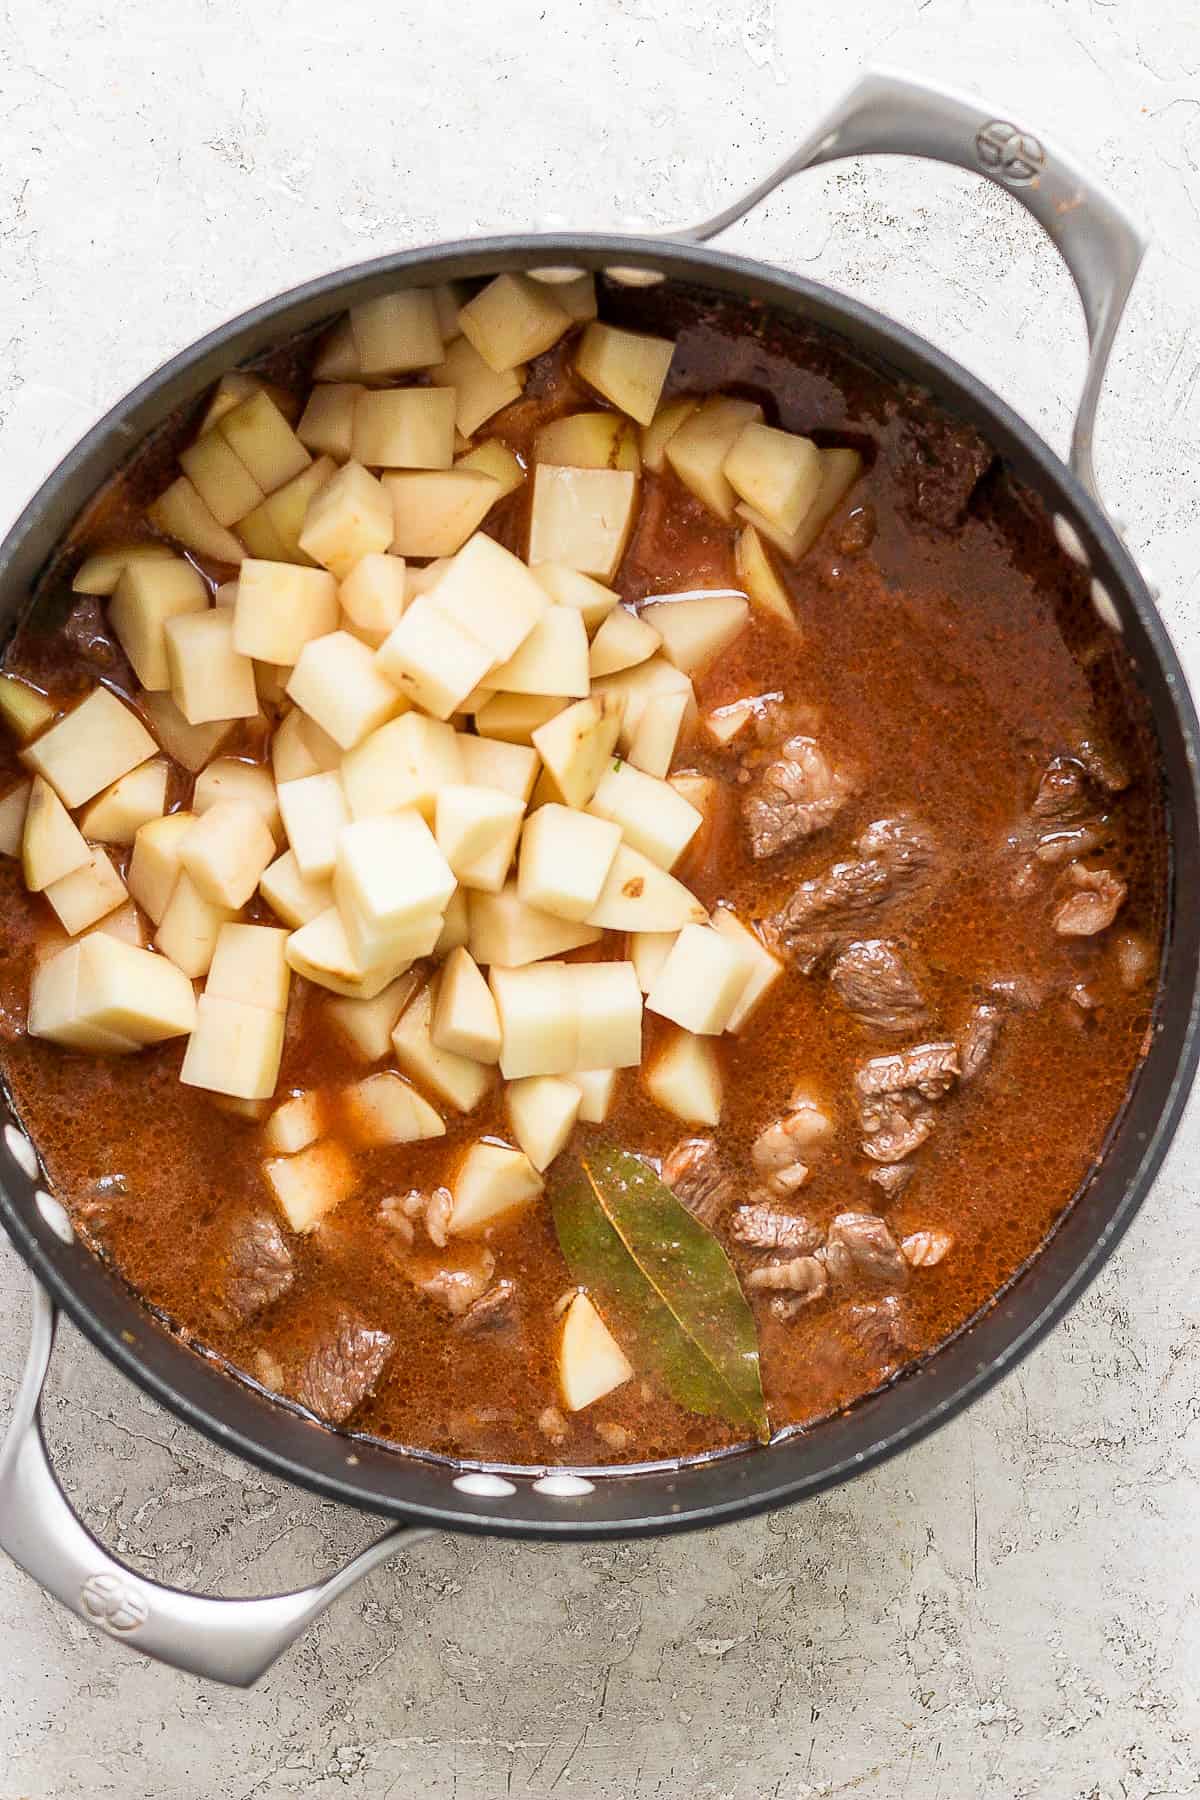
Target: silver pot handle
(889, 114)
(234, 1641)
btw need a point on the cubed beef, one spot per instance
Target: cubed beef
(760, 1227)
(342, 1366)
(876, 981)
(699, 1176)
(793, 797)
(881, 1331)
(896, 860)
(1093, 906)
(859, 1246)
(978, 1040)
(254, 1266)
(939, 462)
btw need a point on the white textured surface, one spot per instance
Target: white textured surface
(1009, 1612)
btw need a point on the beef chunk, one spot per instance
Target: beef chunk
(760, 1227)
(793, 1284)
(979, 1040)
(1093, 906)
(892, 1178)
(881, 1331)
(342, 1367)
(923, 1249)
(491, 1310)
(896, 1125)
(1061, 846)
(1103, 765)
(793, 797)
(860, 1246)
(927, 1069)
(1064, 795)
(255, 1267)
(940, 464)
(456, 1288)
(876, 982)
(700, 1178)
(896, 860)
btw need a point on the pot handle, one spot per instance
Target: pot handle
(233, 1641)
(886, 113)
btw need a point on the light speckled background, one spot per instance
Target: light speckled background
(1010, 1611)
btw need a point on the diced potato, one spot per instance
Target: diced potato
(181, 514)
(577, 296)
(295, 1124)
(132, 992)
(627, 367)
(471, 821)
(596, 1089)
(290, 895)
(759, 579)
(403, 764)
(543, 1109)
(539, 1025)
(127, 924)
(338, 683)
(552, 660)
(565, 860)
(191, 746)
(698, 448)
(765, 969)
(648, 951)
(263, 440)
(328, 419)
(456, 924)
(189, 928)
(94, 745)
(373, 595)
(156, 861)
(367, 1024)
(54, 1011)
(348, 518)
(23, 709)
(728, 723)
(221, 479)
(775, 472)
(147, 595)
(321, 952)
(480, 392)
(506, 931)
(464, 1018)
(226, 851)
(608, 1014)
(492, 595)
(235, 1049)
(13, 809)
(840, 469)
(87, 894)
(383, 1109)
(589, 440)
(431, 658)
(280, 608)
(396, 332)
(636, 687)
(512, 320)
(685, 1080)
(640, 896)
(391, 881)
(622, 640)
(661, 429)
(701, 981)
(116, 815)
(312, 1184)
(497, 460)
(652, 745)
(51, 845)
(100, 572)
(299, 748)
(209, 678)
(404, 428)
(582, 517)
(238, 385)
(435, 511)
(695, 630)
(513, 718)
(272, 531)
(591, 1363)
(489, 762)
(314, 811)
(567, 587)
(577, 744)
(459, 1080)
(653, 818)
(250, 964)
(337, 359)
(492, 1183)
(448, 296)
(230, 779)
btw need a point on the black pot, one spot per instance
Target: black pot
(235, 1641)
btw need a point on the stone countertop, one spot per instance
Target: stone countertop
(1009, 1611)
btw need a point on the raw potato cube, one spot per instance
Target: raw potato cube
(653, 818)
(576, 745)
(775, 472)
(505, 931)
(405, 763)
(396, 333)
(337, 359)
(661, 429)
(230, 779)
(314, 811)
(685, 1080)
(191, 746)
(145, 597)
(190, 927)
(759, 579)
(491, 594)
(577, 297)
(636, 687)
(448, 296)
(209, 679)
(582, 517)
(488, 762)
(404, 428)
(235, 1049)
(552, 660)
(513, 718)
(697, 450)
(492, 1183)
(608, 1015)
(13, 809)
(87, 894)
(51, 845)
(539, 1027)
(568, 587)
(596, 1088)
(367, 1024)
(257, 432)
(126, 924)
(464, 1018)
(132, 992)
(627, 367)
(226, 851)
(652, 746)
(840, 469)
(512, 320)
(459, 1080)
(472, 821)
(312, 1184)
(589, 440)
(221, 479)
(591, 1363)
(291, 895)
(321, 952)
(181, 514)
(489, 872)
(272, 531)
(456, 924)
(280, 608)
(347, 519)
(622, 640)
(565, 859)
(301, 748)
(649, 950)
(93, 746)
(250, 965)
(383, 1110)
(100, 572)
(54, 1012)
(435, 511)
(765, 969)
(639, 896)
(479, 391)
(239, 385)
(337, 682)
(373, 595)
(391, 881)
(431, 658)
(155, 864)
(702, 980)
(543, 1109)
(116, 815)
(694, 631)
(791, 543)
(295, 1124)
(22, 708)
(495, 459)
(328, 419)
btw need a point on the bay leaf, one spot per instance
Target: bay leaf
(683, 1314)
